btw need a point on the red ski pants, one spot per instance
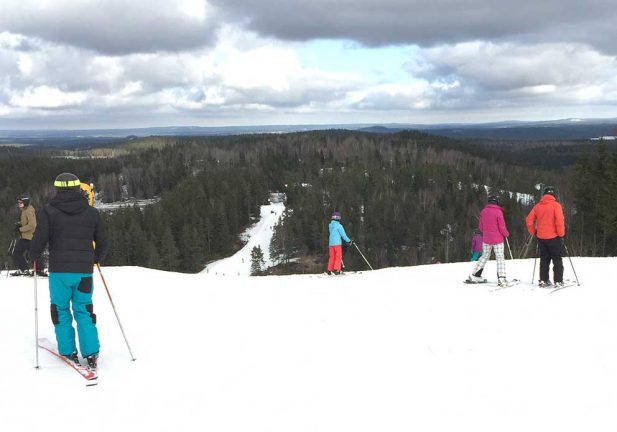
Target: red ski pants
(336, 257)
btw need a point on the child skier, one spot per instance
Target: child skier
(337, 235)
(476, 245)
(493, 227)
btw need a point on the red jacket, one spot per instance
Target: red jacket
(545, 220)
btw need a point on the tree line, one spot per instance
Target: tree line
(406, 198)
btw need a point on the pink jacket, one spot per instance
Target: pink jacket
(492, 224)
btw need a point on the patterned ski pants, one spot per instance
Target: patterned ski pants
(486, 255)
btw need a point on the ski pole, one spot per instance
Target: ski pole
(568, 253)
(526, 247)
(535, 259)
(115, 312)
(367, 263)
(508, 243)
(36, 317)
(9, 252)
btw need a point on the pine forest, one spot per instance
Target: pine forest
(406, 198)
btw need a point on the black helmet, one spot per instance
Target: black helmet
(66, 181)
(24, 198)
(549, 190)
(493, 199)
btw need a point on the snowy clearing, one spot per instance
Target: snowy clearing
(260, 235)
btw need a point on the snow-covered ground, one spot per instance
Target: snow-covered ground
(399, 349)
(260, 235)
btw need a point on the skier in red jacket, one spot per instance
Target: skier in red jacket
(546, 222)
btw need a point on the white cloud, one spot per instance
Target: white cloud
(44, 97)
(511, 74)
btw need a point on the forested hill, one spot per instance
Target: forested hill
(398, 193)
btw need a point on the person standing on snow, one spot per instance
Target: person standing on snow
(476, 245)
(493, 227)
(70, 226)
(546, 222)
(337, 235)
(25, 228)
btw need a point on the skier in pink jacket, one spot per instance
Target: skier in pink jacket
(493, 227)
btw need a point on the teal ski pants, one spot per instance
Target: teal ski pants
(73, 291)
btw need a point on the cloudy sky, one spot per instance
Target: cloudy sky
(117, 63)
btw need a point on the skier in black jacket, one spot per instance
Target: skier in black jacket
(77, 242)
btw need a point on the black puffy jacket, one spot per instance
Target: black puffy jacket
(70, 226)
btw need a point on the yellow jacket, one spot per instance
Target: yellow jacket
(28, 222)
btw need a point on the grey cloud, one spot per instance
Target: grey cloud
(113, 27)
(429, 22)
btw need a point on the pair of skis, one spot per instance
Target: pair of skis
(91, 376)
(566, 284)
(497, 287)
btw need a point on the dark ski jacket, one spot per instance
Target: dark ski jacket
(70, 226)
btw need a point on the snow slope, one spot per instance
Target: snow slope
(258, 235)
(399, 349)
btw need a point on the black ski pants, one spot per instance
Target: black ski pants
(19, 254)
(551, 249)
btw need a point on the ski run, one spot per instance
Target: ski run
(397, 349)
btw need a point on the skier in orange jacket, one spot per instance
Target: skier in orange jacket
(546, 222)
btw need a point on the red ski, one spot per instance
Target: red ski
(88, 374)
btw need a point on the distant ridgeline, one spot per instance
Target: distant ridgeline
(396, 192)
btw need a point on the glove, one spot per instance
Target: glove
(17, 226)
(350, 242)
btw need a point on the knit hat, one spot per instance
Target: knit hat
(336, 215)
(66, 180)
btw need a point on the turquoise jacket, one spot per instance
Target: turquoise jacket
(337, 233)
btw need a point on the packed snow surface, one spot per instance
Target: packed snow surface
(398, 349)
(259, 235)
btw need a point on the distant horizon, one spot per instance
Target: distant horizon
(513, 122)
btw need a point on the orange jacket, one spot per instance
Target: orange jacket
(546, 219)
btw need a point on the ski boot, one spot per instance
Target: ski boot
(73, 358)
(476, 279)
(92, 361)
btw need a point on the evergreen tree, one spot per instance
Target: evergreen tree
(257, 260)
